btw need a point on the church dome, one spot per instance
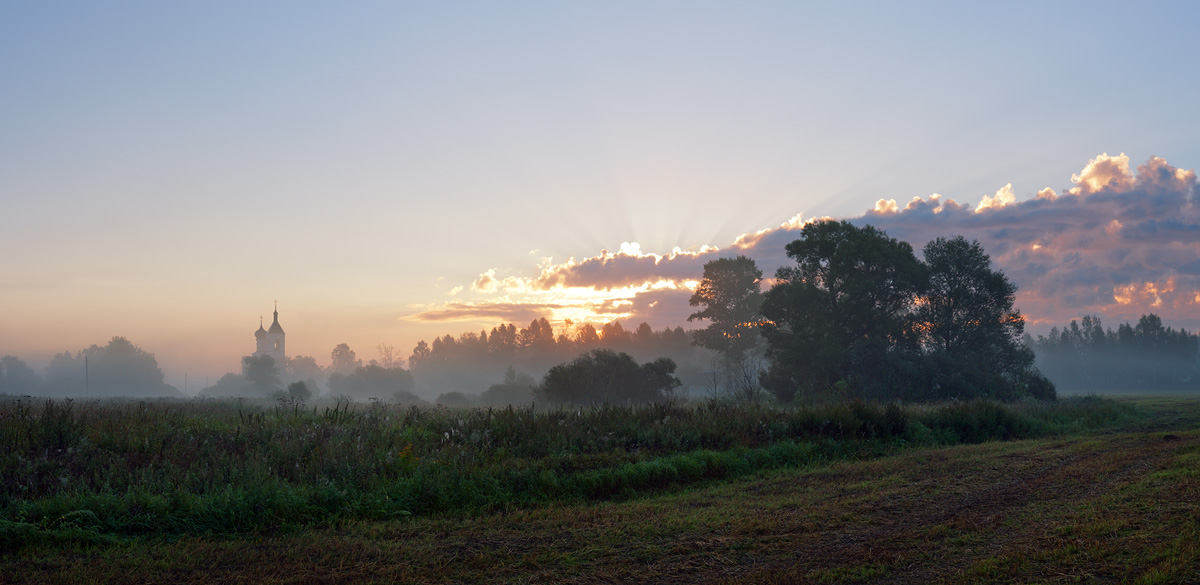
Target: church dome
(275, 328)
(261, 332)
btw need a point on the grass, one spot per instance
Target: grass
(96, 470)
(778, 495)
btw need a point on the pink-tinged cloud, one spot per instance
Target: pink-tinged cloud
(507, 312)
(1117, 243)
(627, 267)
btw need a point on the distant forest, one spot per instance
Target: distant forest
(118, 368)
(474, 362)
(1147, 356)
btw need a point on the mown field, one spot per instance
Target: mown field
(1084, 490)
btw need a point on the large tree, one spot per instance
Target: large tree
(731, 296)
(972, 330)
(842, 316)
(261, 373)
(603, 375)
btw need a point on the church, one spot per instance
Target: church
(270, 341)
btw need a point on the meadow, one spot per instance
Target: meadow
(128, 491)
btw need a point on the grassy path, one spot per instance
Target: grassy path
(1103, 509)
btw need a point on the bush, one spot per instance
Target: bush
(606, 376)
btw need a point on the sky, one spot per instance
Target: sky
(395, 171)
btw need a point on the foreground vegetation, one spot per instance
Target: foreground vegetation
(1116, 506)
(96, 472)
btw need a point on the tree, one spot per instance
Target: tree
(606, 376)
(420, 354)
(299, 391)
(842, 316)
(303, 368)
(587, 335)
(372, 382)
(731, 296)
(967, 306)
(260, 372)
(517, 388)
(971, 327)
(343, 360)
(228, 385)
(389, 356)
(1084, 357)
(16, 377)
(119, 368)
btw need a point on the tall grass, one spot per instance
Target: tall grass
(97, 470)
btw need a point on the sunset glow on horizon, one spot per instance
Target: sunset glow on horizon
(391, 173)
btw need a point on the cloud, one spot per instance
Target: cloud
(1103, 172)
(486, 282)
(507, 312)
(1116, 243)
(1004, 196)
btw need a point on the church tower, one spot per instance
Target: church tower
(271, 341)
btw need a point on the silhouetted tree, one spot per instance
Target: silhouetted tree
(731, 297)
(229, 385)
(389, 356)
(260, 372)
(607, 376)
(119, 368)
(343, 360)
(842, 316)
(16, 377)
(1146, 356)
(971, 327)
(517, 388)
(371, 382)
(299, 391)
(859, 315)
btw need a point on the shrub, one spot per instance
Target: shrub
(606, 376)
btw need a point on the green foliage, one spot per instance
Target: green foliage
(90, 472)
(607, 376)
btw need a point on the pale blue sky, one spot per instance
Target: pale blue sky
(169, 169)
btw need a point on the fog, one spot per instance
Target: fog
(119, 368)
(1143, 357)
(500, 366)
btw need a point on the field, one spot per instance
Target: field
(1086, 490)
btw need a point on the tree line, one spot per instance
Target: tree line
(118, 368)
(1084, 356)
(472, 362)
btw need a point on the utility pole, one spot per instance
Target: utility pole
(87, 379)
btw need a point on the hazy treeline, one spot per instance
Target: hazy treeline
(118, 368)
(473, 361)
(1086, 357)
(301, 378)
